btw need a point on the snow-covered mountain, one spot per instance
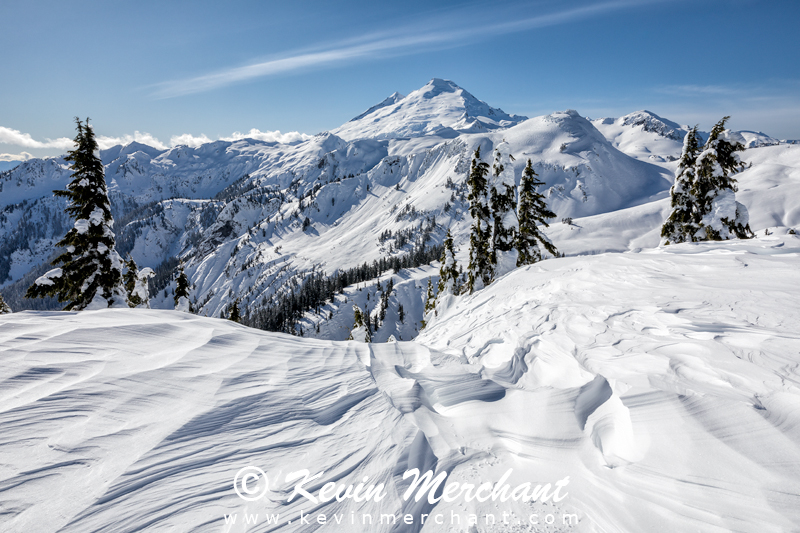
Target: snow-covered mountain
(254, 219)
(440, 108)
(649, 137)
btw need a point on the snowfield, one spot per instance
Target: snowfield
(664, 384)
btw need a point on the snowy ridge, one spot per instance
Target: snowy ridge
(392, 99)
(649, 137)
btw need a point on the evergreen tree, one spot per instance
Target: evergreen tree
(680, 225)
(481, 264)
(4, 308)
(182, 302)
(136, 284)
(704, 205)
(430, 297)
(90, 272)
(385, 295)
(430, 303)
(532, 211)
(448, 271)
(233, 314)
(360, 331)
(503, 201)
(721, 216)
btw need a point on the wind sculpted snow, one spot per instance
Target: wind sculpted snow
(663, 384)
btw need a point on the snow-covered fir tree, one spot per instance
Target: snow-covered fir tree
(234, 314)
(360, 331)
(448, 271)
(385, 295)
(89, 273)
(4, 307)
(430, 304)
(704, 205)
(680, 225)
(480, 270)
(721, 216)
(430, 297)
(532, 211)
(503, 200)
(136, 284)
(182, 302)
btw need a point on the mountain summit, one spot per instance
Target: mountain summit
(439, 108)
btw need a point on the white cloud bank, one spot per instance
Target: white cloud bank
(24, 140)
(269, 136)
(22, 156)
(145, 138)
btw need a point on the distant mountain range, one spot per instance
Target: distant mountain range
(252, 219)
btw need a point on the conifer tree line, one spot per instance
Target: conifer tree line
(703, 202)
(505, 220)
(283, 312)
(505, 228)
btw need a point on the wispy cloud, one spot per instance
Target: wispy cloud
(699, 90)
(400, 42)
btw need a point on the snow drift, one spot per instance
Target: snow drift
(664, 384)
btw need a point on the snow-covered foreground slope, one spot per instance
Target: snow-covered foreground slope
(664, 384)
(128, 421)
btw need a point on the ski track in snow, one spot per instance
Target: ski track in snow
(665, 384)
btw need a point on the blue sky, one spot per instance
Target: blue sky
(176, 71)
